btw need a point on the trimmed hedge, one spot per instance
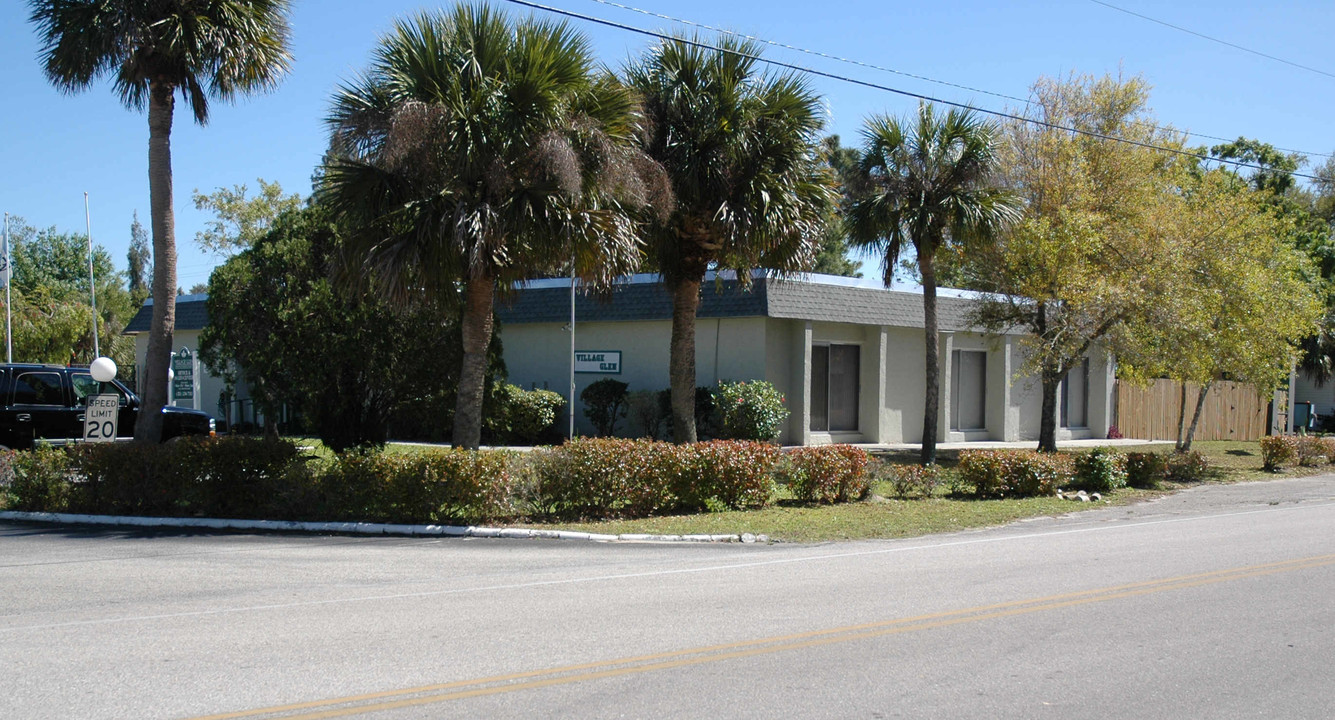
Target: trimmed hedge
(1015, 473)
(240, 477)
(828, 473)
(609, 477)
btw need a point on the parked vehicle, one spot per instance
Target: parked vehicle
(47, 402)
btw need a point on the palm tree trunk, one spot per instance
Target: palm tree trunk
(681, 360)
(1185, 446)
(932, 403)
(148, 427)
(476, 327)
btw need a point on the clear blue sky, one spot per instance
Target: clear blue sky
(56, 147)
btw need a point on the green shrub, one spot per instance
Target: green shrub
(605, 404)
(645, 410)
(733, 474)
(1146, 470)
(1100, 470)
(436, 486)
(749, 410)
(525, 417)
(828, 473)
(909, 480)
(605, 477)
(1278, 451)
(1312, 450)
(41, 481)
(706, 420)
(1188, 467)
(136, 479)
(1015, 473)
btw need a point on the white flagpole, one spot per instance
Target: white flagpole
(9, 275)
(92, 285)
(572, 346)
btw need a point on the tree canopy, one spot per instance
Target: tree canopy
(740, 148)
(479, 150)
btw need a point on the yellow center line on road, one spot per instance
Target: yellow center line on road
(533, 679)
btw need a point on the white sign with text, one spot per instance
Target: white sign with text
(598, 361)
(100, 418)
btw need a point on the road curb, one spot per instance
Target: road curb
(362, 528)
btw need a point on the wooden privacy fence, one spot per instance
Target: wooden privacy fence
(1233, 411)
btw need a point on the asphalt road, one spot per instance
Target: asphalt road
(1217, 602)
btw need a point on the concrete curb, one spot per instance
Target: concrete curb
(360, 528)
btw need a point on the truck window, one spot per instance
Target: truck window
(38, 388)
(84, 385)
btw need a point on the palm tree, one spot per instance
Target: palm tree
(925, 181)
(740, 148)
(477, 152)
(203, 48)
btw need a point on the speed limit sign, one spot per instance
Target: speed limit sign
(99, 423)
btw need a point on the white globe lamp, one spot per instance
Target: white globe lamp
(103, 369)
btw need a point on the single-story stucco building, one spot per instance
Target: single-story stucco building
(209, 391)
(847, 353)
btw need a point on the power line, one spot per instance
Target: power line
(859, 63)
(886, 88)
(1235, 46)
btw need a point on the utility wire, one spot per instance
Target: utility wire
(893, 71)
(886, 88)
(1213, 39)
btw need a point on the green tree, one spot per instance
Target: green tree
(1240, 303)
(202, 48)
(478, 151)
(239, 220)
(832, 256)
(741, 150)
(1091, 252)
(139, 260)
(338, 352)
(926, 181)
(51, 303)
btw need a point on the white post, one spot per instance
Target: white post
(572, 347)
(9, 276)
(92, 284)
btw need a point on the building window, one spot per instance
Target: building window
(834, 388)
(968, 390)
(1075, 396)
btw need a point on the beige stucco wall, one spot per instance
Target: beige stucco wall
(891, 366)
(538, 355)
(210, 386)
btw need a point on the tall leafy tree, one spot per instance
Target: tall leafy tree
(238, 221)
(741, 149)
(1090, 253)
(1240, 302)
(832, 256)
(152, 50)
(927, 181)
(477, 151)
(139, 260)
(52, 314)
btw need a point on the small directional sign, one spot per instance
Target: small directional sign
(99, 424)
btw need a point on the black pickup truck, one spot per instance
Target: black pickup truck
(47, 402)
